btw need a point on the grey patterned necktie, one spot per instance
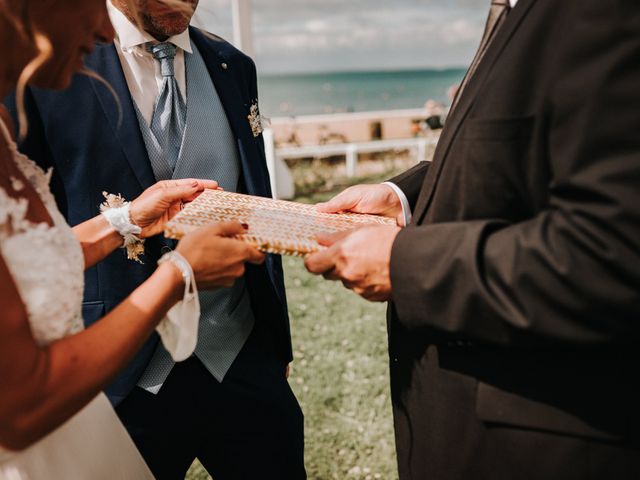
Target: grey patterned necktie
(497, 15)
(170, 113)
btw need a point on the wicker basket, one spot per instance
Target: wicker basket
(275, 226)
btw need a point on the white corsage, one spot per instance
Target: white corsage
(116, 210)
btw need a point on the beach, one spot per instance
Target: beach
(327, 93)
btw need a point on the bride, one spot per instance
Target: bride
(54, 422)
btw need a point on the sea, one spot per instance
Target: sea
(326, 93)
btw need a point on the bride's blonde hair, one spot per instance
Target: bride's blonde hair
(18, 16)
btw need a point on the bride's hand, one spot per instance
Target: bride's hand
(161, 202)
(218, 259)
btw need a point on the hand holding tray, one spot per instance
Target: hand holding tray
(275, 226)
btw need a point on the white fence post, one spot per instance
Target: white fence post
(422, 150)
(270, 153)
(352, 160)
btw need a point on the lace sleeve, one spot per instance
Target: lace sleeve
(13, 212)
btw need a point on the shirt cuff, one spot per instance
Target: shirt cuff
(404, 201)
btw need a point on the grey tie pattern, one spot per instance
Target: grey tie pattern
(209, 150)
(169, 115)
(497, 15)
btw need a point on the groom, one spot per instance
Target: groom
(185, 105)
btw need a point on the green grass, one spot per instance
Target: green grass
(340, 375)
(341, 379)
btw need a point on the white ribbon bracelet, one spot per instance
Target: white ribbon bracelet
(179, 330)
(116, 211)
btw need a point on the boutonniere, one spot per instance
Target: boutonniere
(257, 122)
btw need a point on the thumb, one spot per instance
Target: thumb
(344, 201)
(328, 239)
(228, 229)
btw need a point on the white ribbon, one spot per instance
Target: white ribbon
(120, 219)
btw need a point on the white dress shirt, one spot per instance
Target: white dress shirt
(141, 70)
(406, 209)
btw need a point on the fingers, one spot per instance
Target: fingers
(196, 186)
(331, 274)
(181, 191)
(202, 183)
(328, 239)
(228, 229)
(245, 252)
(254, 256)
(209, 184)
(320, 262)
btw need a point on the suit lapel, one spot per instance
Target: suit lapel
(105, 62)
(236, 106)
(454, 123)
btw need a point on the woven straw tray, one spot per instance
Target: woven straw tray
(275, 226)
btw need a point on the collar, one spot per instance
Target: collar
(511, 2)
(129, 37)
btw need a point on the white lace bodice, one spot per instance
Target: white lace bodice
(46, 262)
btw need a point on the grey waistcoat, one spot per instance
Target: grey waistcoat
(209, 151)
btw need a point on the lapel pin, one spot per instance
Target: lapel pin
(224, 66)
(256, 121)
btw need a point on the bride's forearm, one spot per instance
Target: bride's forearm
(69, 373)
(98, 239)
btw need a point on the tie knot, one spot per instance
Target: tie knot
(165, 53)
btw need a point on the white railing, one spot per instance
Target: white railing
(282, 180)
(352, 150)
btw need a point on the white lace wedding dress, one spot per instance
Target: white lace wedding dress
(47, 267)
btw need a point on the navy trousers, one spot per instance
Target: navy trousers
(250, 426)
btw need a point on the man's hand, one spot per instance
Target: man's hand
(360, 259)
(161, 202)
(375, 199)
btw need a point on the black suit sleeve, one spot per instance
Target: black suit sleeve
(410, 182)
(572, 272)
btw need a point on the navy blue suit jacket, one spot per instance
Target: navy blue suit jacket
(95, 146)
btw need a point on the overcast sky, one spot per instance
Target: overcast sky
(337, 35)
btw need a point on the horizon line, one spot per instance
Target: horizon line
(268, 73)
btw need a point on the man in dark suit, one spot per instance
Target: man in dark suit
(515, 290)
(187, 106)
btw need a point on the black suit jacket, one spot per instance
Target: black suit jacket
(94, 146)
(516, 292)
